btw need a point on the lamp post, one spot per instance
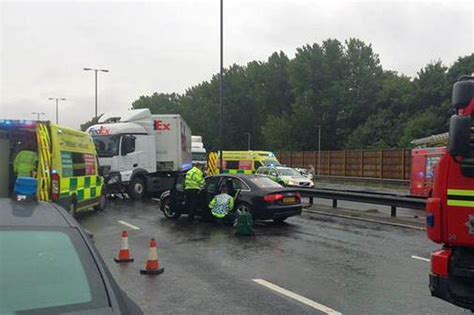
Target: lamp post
(319, 149)
(221, 120)
(38, 114)
(57, 99)
(248, 140)
(95, 76)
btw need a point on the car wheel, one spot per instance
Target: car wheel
(244, 207)
(137, 188)
(102, 203)
(167, 211)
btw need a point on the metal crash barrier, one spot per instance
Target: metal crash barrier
(379, 198)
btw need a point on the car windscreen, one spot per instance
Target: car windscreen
(48, 271)
(271, 163)
(289, 172)
(107, 146)
(264, 182)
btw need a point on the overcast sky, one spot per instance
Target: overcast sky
(168, 46)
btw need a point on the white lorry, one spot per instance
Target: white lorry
(139, 152)
(199, 153)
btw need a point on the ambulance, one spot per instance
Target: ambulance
(65, 163)
(241, 162)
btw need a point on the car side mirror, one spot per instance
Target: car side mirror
(459, 135)
(128, 145)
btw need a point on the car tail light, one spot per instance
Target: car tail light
(298, 196)
(440, 262)
(273, 198)
(55, 179)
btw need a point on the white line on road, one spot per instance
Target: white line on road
(297, 297)
(129, 225)
(420, 258)
(156, 199)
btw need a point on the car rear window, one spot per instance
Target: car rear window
(47, 271)
(264, 182)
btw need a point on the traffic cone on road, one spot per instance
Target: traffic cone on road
(124, 254)
(152, 266)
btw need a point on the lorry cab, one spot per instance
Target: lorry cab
(62, 161)
(124, 148)
(138, 151)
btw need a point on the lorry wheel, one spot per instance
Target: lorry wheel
(167, 211)
(137, 188)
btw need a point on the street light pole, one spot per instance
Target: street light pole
(95, 80)
(319, 149)
(57, 99)
(38, 114)
(95, 93)
(221, 122)
(248, 140)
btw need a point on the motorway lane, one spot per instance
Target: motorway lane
(353, 267)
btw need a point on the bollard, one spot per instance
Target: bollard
(393, 212)
(334, 203)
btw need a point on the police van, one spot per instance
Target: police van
(62, 162)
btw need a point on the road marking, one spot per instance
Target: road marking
(297, 297)
(133, 227)
(420, 258)
(156, 199)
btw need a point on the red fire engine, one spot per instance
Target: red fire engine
(423, 163)
(450, 210)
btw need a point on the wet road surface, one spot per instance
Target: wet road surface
(352, 267)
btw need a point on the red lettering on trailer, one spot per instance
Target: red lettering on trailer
(159, 125)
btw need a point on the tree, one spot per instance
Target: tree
(158, 103)
(421, 125)
(463, 66)
(340, 86)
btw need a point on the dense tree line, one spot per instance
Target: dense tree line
(341, 87)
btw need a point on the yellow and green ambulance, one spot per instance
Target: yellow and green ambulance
(241, 162)
(67, 169)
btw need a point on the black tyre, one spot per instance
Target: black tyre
(168, 211)
(137, 188)
(244, 207)
(102, 203)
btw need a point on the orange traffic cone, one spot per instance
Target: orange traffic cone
(152, 265)
(124, 254)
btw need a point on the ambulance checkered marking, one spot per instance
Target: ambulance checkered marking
(85, 187)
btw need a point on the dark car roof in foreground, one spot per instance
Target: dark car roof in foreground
(31, 213)
(236, 175)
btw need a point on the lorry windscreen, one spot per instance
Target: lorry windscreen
(199, 156)
(107, 146)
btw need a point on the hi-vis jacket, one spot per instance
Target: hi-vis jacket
(221, 205)
(194, 179)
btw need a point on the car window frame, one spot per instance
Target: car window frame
(272, 169)
(242, 184)
(95, 273)
(219, 182)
